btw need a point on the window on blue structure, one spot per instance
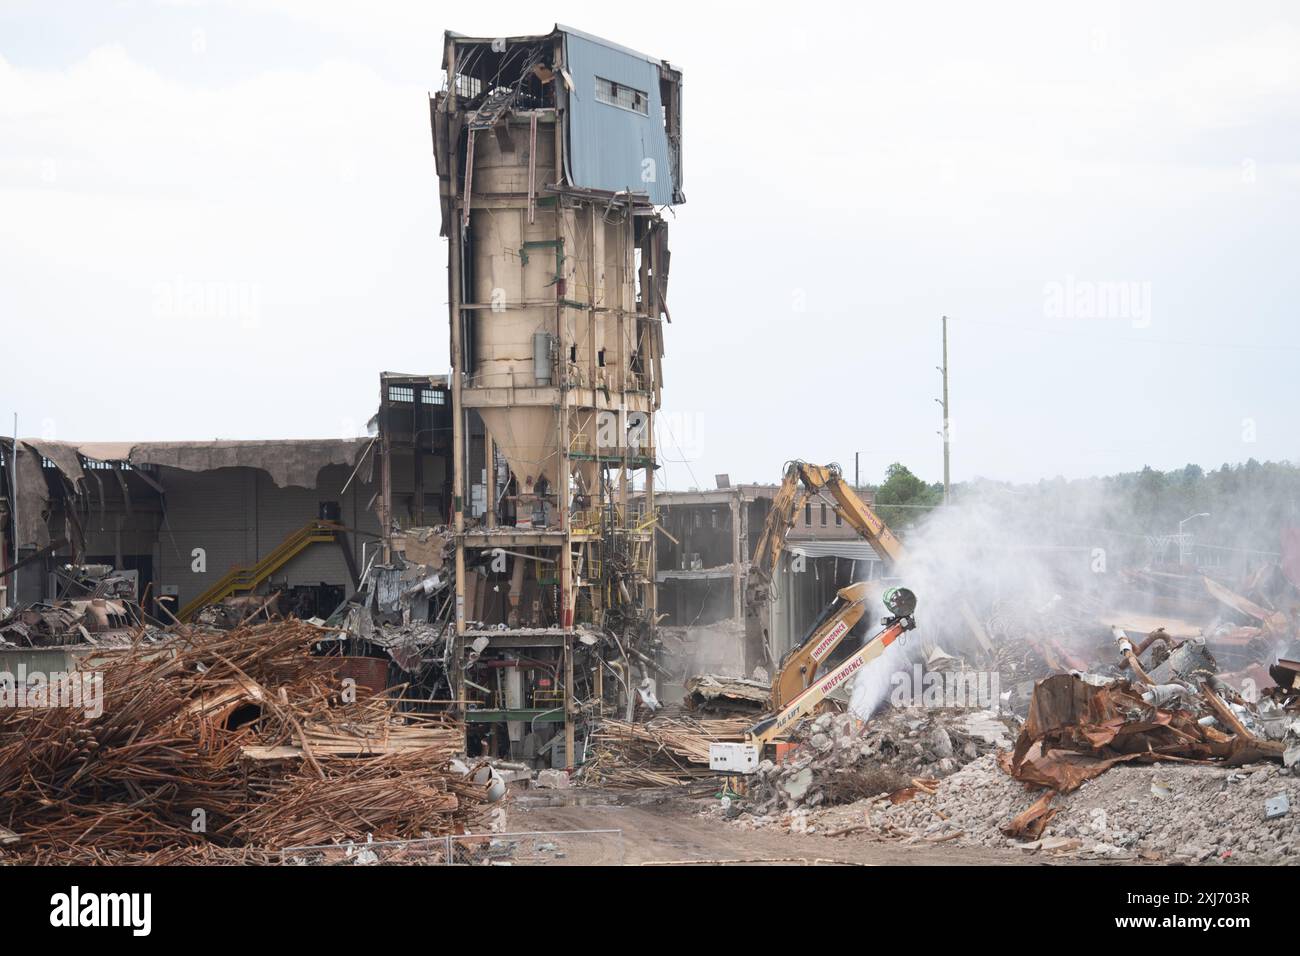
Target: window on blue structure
(623, 96)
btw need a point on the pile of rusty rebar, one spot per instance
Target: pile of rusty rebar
(662, 752)
(229, 744)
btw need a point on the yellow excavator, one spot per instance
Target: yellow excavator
(744, 757)
(802, 480)
(796, 687)
(799, 665)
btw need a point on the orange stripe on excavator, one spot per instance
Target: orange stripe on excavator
(840, 674)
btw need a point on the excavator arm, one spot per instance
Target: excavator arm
(800, 664)
(855, 511)
(899, 600)
(785, 504)
(802, 479)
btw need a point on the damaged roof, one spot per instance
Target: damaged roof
(289, 463)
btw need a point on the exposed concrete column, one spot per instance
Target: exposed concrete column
(737, 555)
(458, 430)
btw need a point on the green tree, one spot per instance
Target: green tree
(904, 498)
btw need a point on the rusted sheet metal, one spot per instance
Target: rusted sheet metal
(1061, 770)
(1030, 824)
(1273, 620)
(1075, 731)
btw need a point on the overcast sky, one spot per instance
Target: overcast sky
(1103, 197)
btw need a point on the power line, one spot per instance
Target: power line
(681, 452)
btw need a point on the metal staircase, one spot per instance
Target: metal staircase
(501, 100)
(248, 578)
(493, 107)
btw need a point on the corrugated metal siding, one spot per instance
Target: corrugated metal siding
(608, 146)
(854, 550)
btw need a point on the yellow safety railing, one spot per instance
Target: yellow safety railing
(636, 519)
(248, 578)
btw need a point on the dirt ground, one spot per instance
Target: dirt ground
(672, 831)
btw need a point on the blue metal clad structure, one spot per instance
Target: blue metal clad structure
(611, 148)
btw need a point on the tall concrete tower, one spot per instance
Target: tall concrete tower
(555, 154)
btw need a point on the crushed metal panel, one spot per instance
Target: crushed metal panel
(1272, 620)
(1030, 824)
(62, 455)
(1076, 731)
(33, 496)
(1061, 771)
(1058, 702)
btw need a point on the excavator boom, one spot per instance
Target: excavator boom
(785, 504)
(813, 695)
(865, 521)
(744, 757)
(802, 479)
(800, 665)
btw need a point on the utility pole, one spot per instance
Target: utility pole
(857, 479)
(943, 402)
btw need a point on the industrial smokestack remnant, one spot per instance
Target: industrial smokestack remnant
(554, 155)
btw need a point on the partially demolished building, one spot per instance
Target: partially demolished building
(554, 155)
(185, 526)
(707, 541)
(189, 522)
(496, 532)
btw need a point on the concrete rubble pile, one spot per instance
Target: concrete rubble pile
(837, 759)
(1126, 748)
(230, 745)
(1096, 771)
(1168, 812)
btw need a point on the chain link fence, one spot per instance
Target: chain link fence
(540, 848)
